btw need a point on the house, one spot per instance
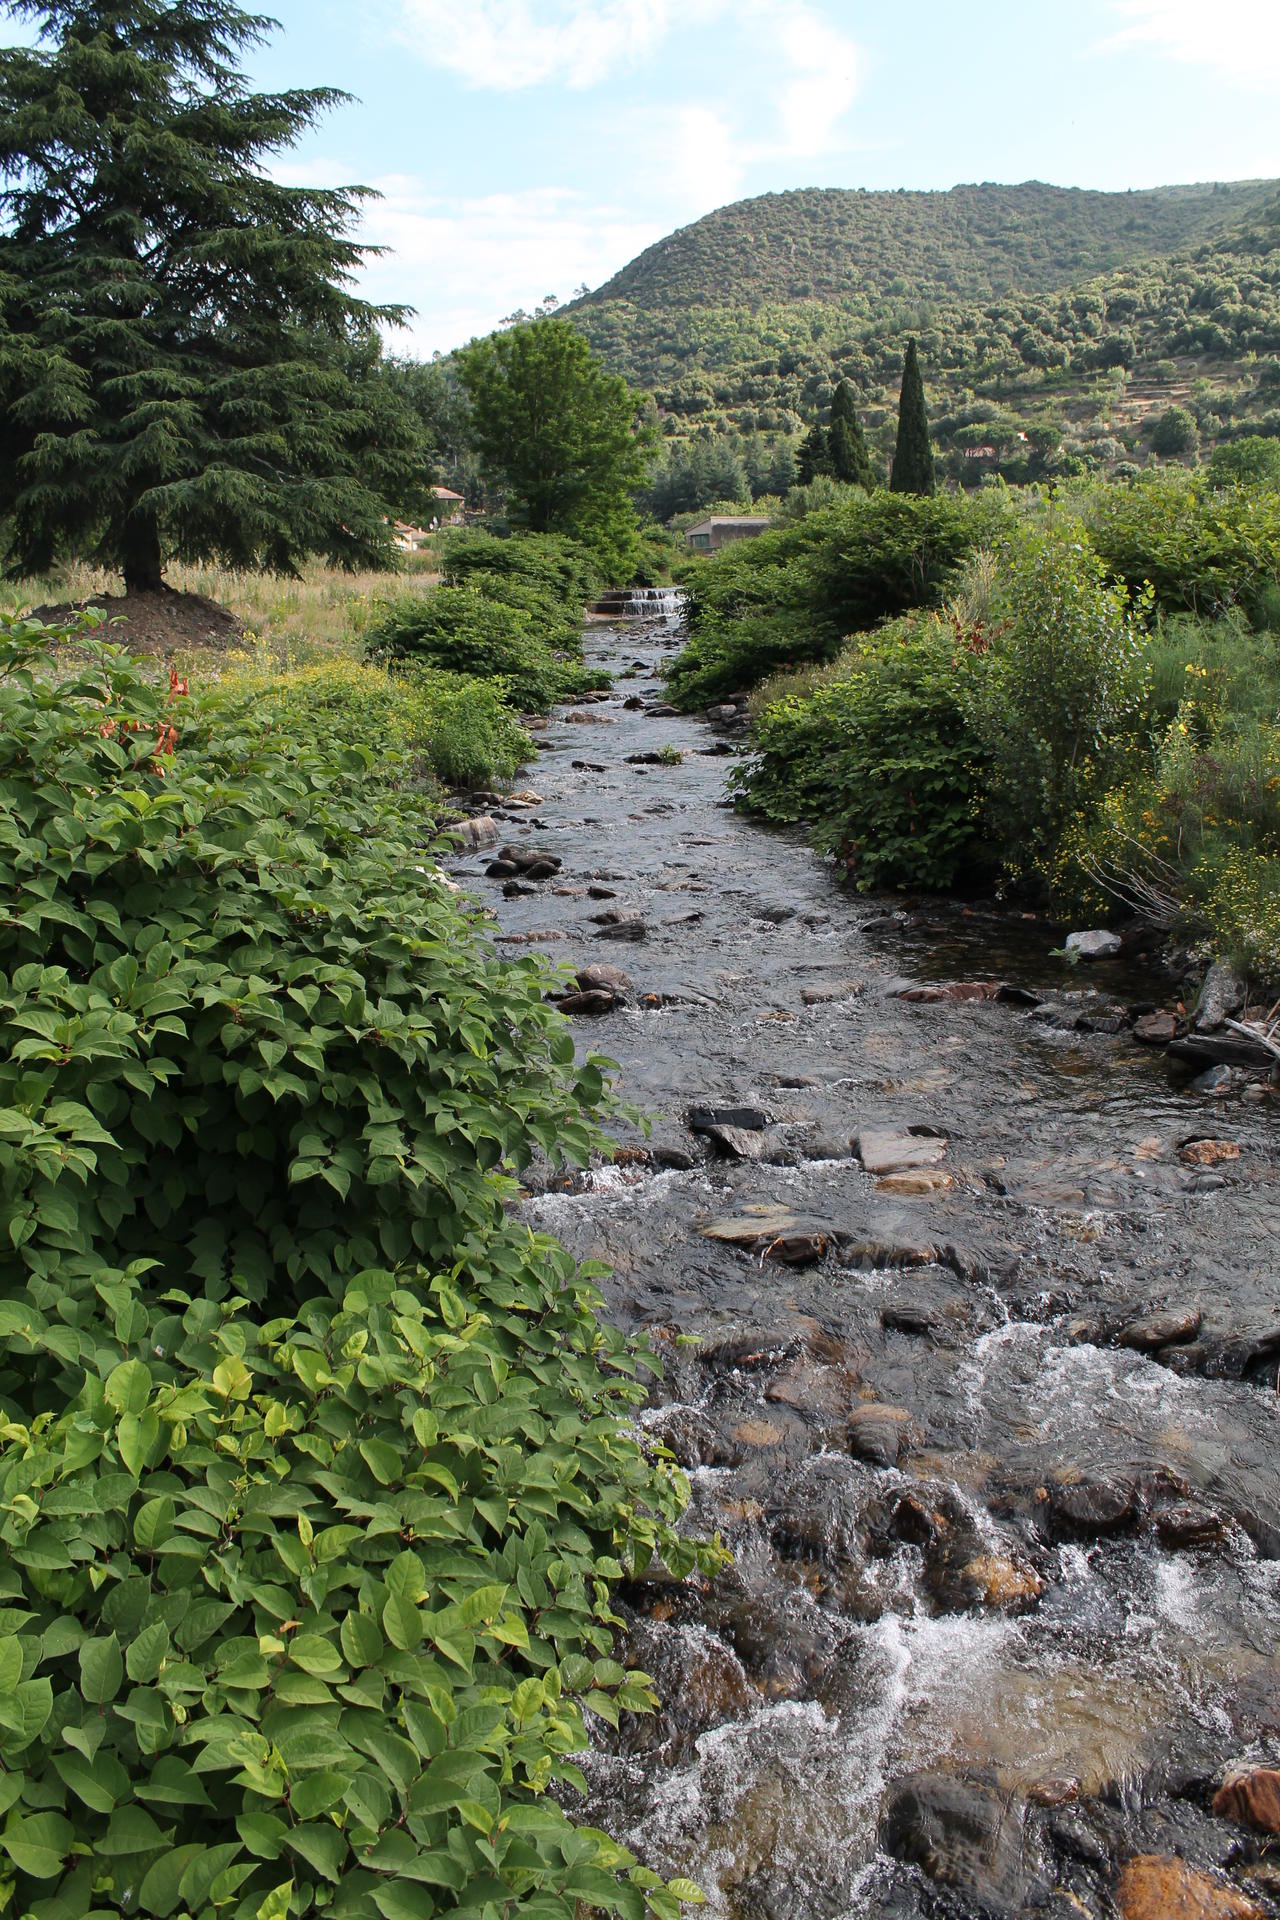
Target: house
(709, 535)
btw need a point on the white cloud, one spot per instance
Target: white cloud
(511, 44)
(1240, 38)
(825, 71)
(466, 264)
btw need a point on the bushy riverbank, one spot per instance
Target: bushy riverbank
(1081, 705)
(316, 1476)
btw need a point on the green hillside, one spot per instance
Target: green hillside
(975, 241)
(1075, 318)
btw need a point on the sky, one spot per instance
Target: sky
(527, 147)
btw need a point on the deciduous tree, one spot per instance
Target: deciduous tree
(559, 433)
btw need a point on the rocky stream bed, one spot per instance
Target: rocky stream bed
(982, 1389)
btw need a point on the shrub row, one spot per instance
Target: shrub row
(509, 611)
(314, 1467)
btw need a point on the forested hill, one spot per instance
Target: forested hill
(975, 241)
(1055, 327)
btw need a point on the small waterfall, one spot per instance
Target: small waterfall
(641, 603)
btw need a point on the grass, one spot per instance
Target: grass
(287, 622)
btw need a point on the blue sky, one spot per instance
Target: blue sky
(526, 146)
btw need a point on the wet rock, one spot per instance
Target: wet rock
(877, 1433)
(601, 893)
(1231, 1049)
(479, 831)
(1250, 1796)
(633, 703)
(737, 1142)
(1097, 944)
(1160, 1887)
(918, 1185)
(588, 766)
(756, 1432)
(513, 890)
(603, 977)
(746, 1352)
(663, 711)
(1155, 1029)
(894, 1150)
(953, 992)
(588, 720)
(1088, 1508)
(700, 1682)
(1221, 995)
(595, 1002)
(1156, 1330)
(808, 1387)
(964, 1836)
(910, 1316)
(542, 869)
(798, 1249)
(668, 1155)
(1002, 1583)
(753, 1226)
(751, 1119)
(1214, 1080)
(1189, 1525)
(501, 869)
(1207, 1153)
(617, 924)
(691, 1437)
(822, 996)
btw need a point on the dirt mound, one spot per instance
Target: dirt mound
(164, 623)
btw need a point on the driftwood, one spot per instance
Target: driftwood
(1244, 1048)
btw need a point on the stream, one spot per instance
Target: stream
(969, 1310)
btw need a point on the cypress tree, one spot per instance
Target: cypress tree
(813, 457)
(184, 371)
(850, 460)
(912, 470)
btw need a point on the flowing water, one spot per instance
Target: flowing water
(1004, 1598)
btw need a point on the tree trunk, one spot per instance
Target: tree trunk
(142, 562)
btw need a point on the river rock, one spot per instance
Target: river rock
(894, 1149)
(968, 1837)
(1155, 1029)
(750, 1119)
(1087, 1508)
(797, 1249)
(738, 1142)
(951, 991)
(1207, 1153)
(1160, 1887)
(1222, 994)
(1214, 1081)
(598, 1001)
(877, 1433)
(479, 831)
(1156, 1330)
(918, 1185)
(1189, 1525)
(1095, 945)
(758, 1223)
(501, 869)
(834, 990)
(617, 924)
(1001, 1583)
(603, 977)
(601, 893)
(1251, 1796)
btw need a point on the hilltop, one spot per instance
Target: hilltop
(1072, 317)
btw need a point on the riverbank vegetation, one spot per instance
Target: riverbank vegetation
(315, 1466)
(1080, 703)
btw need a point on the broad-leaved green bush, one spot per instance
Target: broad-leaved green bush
(1201, 548)
(877, 760)
(465, 631)
(797, 591)
(314, 1467)
(458, 725)
(1054, 691)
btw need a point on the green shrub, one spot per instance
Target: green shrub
(1053, 692)
(314, 1472)
(565, 569)
(460, 726)
(794, 593)
(464, 631)
(876, 760)
(1201, 549)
